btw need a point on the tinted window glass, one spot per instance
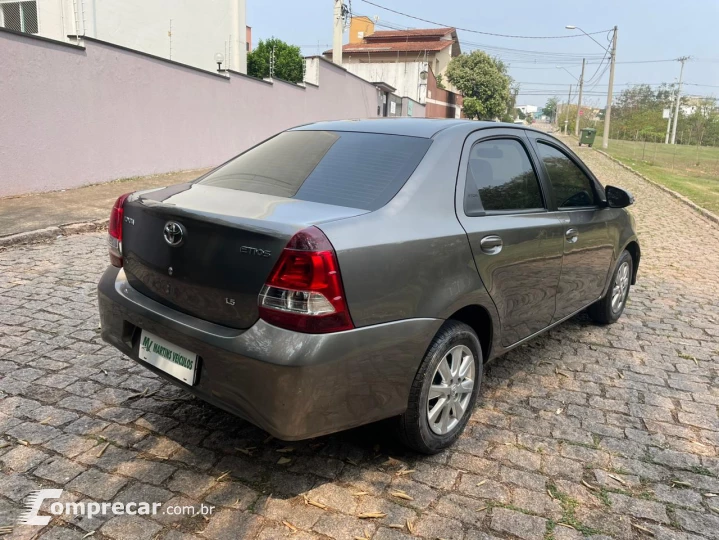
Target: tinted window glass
(571, 186)
(359, 170)
(501, 176)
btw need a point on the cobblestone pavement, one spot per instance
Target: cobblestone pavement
(596, 431)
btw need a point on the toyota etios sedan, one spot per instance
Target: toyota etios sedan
(345, 272)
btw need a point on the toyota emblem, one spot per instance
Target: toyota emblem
(174, 233)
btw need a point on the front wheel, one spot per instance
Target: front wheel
(444, 390)
(610, 308)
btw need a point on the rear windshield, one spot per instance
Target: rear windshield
(359, 170)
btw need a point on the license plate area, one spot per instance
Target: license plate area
(168, 357)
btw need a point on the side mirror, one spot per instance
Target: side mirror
(618, 197)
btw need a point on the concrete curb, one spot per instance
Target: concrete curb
(51, 233)
(706, 213)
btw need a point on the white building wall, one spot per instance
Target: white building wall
(404, 76)
(200, 29)
(527, 109)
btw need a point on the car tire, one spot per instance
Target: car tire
(454, 342)
(611, 306)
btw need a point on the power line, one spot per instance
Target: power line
(528, 51)
(615, 84)
(477, 31)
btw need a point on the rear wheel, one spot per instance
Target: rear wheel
(444, 390)
(610, 308)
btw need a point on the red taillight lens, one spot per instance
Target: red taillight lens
(114, 230)
(304, 291)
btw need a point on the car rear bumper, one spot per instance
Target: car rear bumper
(293, 385)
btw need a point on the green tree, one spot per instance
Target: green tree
(550, 108)
(288, 61)
(440, 82)
(484, 82)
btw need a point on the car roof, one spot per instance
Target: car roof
(413, 127)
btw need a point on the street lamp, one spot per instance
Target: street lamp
(572, 27)
(612, 61)
(219, 58)
(565, 69)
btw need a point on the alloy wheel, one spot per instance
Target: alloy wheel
(621, 287)
(451, 389)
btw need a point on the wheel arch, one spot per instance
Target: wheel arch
(479, 319)
(633, 248)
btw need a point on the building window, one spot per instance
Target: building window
(19, 16)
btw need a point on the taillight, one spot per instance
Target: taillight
(304, 291)
(114, 230)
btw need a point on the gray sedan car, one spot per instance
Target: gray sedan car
(341, 273)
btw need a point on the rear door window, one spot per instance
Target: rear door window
(501, 179)
(572, 188)
(358, 170)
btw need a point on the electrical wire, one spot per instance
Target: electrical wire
(526, 52)
(477, 31)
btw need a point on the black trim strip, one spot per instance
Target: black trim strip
(148, 55)
(41, 38)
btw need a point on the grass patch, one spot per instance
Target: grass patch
(678, 167)
(569, 509)
(549, 533)
(702, 470)
(603, 496)
(593, 446)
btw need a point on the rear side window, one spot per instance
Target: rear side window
(500, 178)
(359, 170)
(570, 185)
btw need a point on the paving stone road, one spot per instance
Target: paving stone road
(587, 431)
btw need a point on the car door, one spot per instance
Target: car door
(581, 205)
(516, 242)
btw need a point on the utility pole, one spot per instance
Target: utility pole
(679, 99)
(338, 32)
(608, 110)
(566, 116)
(579, 102)
(669, 120)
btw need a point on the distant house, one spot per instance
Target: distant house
(407, 60)
(188, 32)
(528, 109)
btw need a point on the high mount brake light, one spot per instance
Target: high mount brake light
(304, 291)
(114, 230)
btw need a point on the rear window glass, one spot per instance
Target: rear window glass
(359, 170)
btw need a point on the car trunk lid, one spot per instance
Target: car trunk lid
(207, 251)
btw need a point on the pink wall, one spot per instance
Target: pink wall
(71, 116)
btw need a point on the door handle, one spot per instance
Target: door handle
(572, 235)
(491, 245)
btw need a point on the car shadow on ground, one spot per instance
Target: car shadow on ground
(217, 444)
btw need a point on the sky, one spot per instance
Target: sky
(648, 31)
